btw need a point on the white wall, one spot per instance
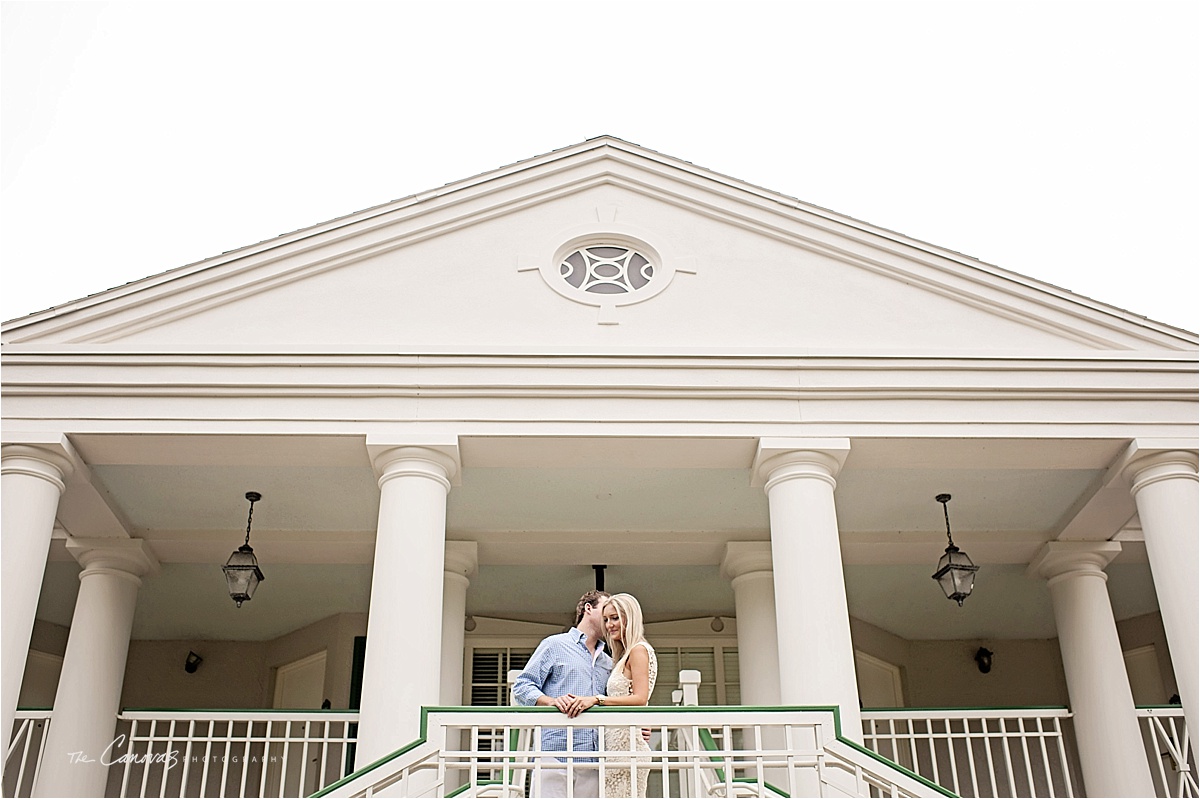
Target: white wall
(1024, 673)
(239, 674)
(944, 673)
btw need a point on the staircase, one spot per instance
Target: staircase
(711, 751)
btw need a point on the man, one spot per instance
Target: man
(564, 667)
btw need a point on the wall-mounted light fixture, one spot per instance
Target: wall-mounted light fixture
(717, 624)
(983, 659)
(241, 570)
(192, 662)
(956, 572)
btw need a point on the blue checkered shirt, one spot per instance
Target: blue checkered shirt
(562, 664)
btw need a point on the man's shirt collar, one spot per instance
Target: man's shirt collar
(580, 637)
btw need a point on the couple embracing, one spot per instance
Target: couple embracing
(572, 672)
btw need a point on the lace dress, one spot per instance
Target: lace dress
(617, 771)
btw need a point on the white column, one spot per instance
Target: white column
(32, 479)
(93, 672)
(816, 655)
(1165, 490)
(402, 671)
(1106, 727)
(748, 565)
(462, 561)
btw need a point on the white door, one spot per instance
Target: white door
(301, 684)
(878, 682)
(1145, 680)
(298, 685)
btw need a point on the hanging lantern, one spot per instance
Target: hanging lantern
(241, 570)
(956, 572)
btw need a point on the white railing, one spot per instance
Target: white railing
(749, 752)
(1022, 752)
(970, 752)
(23, 760)
(1172, 761)
(172, 753)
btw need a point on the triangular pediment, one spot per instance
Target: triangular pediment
(477, 264)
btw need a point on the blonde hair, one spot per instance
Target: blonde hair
(633, 631)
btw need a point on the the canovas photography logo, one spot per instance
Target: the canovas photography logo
(170, 758)
(112, 754)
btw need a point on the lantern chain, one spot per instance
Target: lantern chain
(942, 498)
(253, 496)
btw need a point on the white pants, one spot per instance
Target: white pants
(553, 782)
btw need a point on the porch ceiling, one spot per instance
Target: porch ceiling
(188, 600)
(656, 510)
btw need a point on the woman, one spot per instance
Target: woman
(635, 670)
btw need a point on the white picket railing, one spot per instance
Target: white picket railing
(23, 760)
(497, 752)
(223, 753)
(1172, 761)
(165, 753)
(1024, 752)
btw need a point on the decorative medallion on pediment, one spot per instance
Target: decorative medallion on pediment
(608, 265)
(607, 269)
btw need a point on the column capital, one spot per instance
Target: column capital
(1147, 461)
(436, 457)
(462, 557)
(1059, 558)
(128, 556)
(746, 557)
(786, 458)
(50, 457)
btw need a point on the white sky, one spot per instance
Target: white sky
(1055, 139)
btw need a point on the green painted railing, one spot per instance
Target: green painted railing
(811, 752)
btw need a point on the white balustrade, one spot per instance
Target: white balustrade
(23, 760)
(1022, 752)
(694, 752)
(229, 753)
(1172, 761)
(712, 752)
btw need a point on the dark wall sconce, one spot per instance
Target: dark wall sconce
(983, 659)
(192, 663)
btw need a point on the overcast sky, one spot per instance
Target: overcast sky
(1055, 139)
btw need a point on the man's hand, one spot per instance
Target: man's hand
(579, 704)
(568, 704)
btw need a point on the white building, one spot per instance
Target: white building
(455, 404)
